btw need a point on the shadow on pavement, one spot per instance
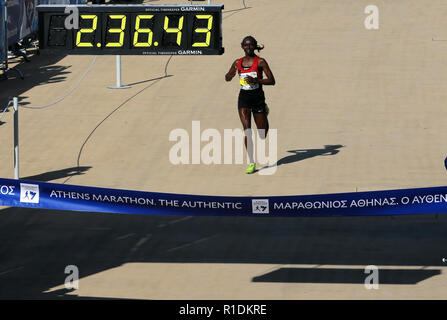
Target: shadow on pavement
(40, 70)
(58, 174)
(302, 154)
(37, 245)
(343, 275)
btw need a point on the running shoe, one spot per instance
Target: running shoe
(251, 168)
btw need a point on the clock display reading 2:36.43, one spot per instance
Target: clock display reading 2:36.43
(133, 29)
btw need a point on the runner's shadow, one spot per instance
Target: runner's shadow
(57, 174)
(303, 154)
(298, 155)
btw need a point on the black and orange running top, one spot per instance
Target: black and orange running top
(254, 71)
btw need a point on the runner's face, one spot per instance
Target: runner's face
(249, 47)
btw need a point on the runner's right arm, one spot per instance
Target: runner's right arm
(232, 72)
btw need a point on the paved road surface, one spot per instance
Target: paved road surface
(355, 110)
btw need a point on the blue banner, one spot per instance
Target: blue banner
(31, 194)
(2, 32)
(62, 1)
(22, 19)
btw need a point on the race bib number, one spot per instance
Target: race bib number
(243, 81)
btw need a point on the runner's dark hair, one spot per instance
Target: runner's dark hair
(258, 47)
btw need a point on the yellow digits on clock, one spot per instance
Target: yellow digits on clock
(121, 17)
(204, 30)
(139, 30)
(177, 30)
(94, 19)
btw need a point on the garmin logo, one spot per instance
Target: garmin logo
(192, 9)
(190, 52)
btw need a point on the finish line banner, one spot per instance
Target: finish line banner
(41, 195)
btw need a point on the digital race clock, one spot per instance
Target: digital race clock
(132, 29)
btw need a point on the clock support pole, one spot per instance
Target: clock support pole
(118, 75)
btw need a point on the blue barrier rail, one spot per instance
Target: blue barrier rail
(22, 20)
(62, 1)
(42, 195)
(3, 50)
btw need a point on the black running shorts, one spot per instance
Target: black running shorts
(252, 99)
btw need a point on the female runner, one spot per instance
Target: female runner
(251, 96)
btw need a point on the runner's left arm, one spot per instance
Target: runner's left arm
(270, 78)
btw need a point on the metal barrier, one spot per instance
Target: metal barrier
(3, 49)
